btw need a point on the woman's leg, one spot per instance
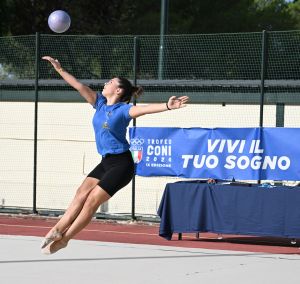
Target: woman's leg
(95, 198)
(74, 208)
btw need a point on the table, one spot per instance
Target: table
(229, 209)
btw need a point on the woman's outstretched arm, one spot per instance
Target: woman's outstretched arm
(86, 92)
(172, 103)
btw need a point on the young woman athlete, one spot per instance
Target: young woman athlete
(113, 112)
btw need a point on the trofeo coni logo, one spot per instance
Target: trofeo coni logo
(136, 148)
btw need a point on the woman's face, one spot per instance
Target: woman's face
(111, 87)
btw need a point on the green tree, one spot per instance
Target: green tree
(294, 10)
(111, 17)
(22, 17)
(4, 17)
(192, 16)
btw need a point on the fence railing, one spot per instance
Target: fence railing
(46, 141)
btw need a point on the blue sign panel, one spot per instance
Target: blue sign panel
(220, 153)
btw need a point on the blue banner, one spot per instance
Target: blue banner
(219, 153)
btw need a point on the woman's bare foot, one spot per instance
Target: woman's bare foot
(55, 246)
(52, 236)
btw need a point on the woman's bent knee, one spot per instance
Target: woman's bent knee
(86, 187)
(96, 197)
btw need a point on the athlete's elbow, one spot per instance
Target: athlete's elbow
(136, 114)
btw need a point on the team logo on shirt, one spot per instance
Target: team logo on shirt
(136, 148)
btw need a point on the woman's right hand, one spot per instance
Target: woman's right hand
(53, 61)
(86, 92)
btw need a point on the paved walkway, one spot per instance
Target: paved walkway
(88, 262)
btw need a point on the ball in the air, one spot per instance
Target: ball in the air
(59, 21)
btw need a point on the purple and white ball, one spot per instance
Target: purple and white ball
(59, 21)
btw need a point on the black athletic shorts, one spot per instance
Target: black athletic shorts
(114, 172)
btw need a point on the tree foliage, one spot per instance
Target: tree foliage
(111, 17)
(294, 10)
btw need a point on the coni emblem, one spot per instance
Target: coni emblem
(136, 148)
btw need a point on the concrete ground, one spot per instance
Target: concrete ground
(119, 263)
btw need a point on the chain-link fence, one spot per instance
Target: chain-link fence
(47, 143)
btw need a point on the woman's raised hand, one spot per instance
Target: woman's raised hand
(53, 61)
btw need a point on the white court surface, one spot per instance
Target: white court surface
(88, 262)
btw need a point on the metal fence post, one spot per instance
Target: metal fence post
(36, 91)
(163, 31)
(263, 72)
(136, 67)
(280, 114)
(264, 60)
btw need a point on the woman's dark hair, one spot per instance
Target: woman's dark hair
(129, 91)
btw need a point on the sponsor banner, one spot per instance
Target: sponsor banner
(220, 153)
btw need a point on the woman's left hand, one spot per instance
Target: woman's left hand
(179, 102)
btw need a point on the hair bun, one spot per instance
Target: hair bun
(137, 91)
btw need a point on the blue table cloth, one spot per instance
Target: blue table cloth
(229, 209)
